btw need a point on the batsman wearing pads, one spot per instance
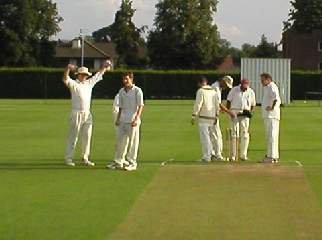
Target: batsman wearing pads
(241, 101)
(81, 117)
(207, 108)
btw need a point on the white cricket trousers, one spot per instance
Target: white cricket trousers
(239, 126)
(272, 136)
(80, 123)
(127, 143)
(217, 140)
(206, 135)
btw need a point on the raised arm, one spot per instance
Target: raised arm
(107, 64)
(69, 67)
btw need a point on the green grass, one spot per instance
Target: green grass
(43, 199)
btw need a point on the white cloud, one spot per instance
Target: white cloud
(231, 31)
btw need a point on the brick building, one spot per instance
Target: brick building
(305, 49)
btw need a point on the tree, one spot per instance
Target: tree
(125, 34)
(25, 29)
(306, 16)
(185, 36)
(265, 49)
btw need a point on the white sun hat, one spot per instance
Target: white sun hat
(83, 70)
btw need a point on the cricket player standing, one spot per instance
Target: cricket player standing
(241, 101)
(207, 108)
(223, 83)
(271, 114)
(81, 117)
(128, 123)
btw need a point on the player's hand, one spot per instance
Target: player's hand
(71, 67)
(269, 108)
(117, 122)
(193, 121)
(231, 114)
(134, 123)
(108, 63)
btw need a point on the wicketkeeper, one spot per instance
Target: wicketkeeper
(241, 101)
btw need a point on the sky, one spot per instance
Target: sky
(238, 21)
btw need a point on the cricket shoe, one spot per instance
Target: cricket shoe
(267, 160)
(131, 167)
(70, 163)
(245, 159)
(203, 160)
(218, 159)
(116, 165)
(87, 162)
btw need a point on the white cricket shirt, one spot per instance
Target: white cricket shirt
(241, 100)
(129, 101)
(82, 92)
(206, 104)
(271, 93)
(217, 88)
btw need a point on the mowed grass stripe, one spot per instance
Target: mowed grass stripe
(230, 202)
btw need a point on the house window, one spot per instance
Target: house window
(320, 66)
(320, 46)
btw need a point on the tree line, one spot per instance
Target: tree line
(184, 34)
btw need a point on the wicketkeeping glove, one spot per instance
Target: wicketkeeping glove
(246, 113)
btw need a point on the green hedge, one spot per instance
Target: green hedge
(47, 83)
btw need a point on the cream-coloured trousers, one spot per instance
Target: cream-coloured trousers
(80, 123)
(217, 140)
(239, 126)
(127, 143)
(272, 137)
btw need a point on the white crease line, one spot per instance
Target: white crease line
(169, 160)
(299, 163)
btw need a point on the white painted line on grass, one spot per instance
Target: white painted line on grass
(169, 160)
(299, 164)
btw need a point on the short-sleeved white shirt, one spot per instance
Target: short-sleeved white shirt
(129, 101)
(271, 93)
(82, 92)
(241, 100)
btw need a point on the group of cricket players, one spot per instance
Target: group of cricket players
(240, 106)
(128, 106)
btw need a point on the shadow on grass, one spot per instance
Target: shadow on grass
(58, 164)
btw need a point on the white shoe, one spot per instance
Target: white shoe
(70, 163)
(131, 167)
(203, 160)
(115, 165)
(87, 162)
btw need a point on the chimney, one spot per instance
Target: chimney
(76, 43)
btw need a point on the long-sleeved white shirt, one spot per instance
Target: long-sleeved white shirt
(82, 92)
(206, 105)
